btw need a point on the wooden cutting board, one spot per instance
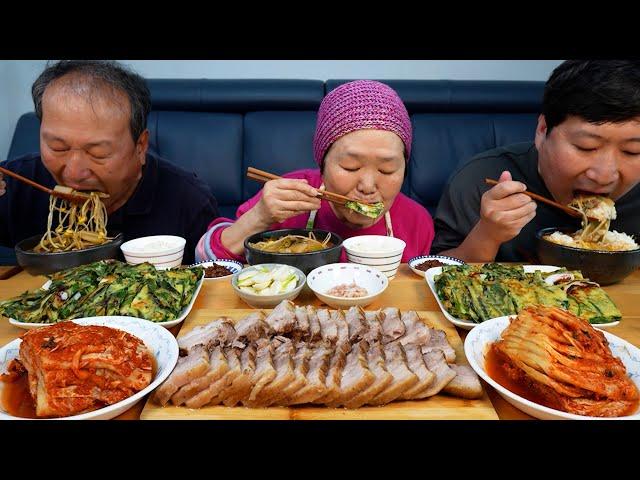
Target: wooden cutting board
(438, 407)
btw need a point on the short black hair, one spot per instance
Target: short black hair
(599, 91)
(106, 72)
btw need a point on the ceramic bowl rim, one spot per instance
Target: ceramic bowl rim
(333, 297)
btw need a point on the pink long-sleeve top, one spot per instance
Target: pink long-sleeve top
(411, 222)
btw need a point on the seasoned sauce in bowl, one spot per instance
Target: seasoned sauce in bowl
(426, 265)
(215, 271)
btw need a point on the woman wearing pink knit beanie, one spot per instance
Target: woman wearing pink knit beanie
(362, 145)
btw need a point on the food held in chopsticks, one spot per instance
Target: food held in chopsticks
(552, 357)
(74, 369)
(293, 244)
(370, 210)
(478, 293)
(76, 226)
(108, 287)
(299, 355)
(597, 212)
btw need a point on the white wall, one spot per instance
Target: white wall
(326, 69)
(16, 76)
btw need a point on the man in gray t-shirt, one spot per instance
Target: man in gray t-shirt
(587, 141)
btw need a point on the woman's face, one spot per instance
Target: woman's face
(367, 165)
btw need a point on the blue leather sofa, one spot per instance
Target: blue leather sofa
(218, 128)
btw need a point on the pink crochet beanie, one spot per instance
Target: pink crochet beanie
(360, 105)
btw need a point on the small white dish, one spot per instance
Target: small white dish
(167, 324)
(480, 338)
(468, 324)
(268, 301)
(162, 251)
(158, 340)
(378, 251)
(232, 265)
(323, 279)
(415, 261)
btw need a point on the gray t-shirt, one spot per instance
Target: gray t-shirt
(459, 207)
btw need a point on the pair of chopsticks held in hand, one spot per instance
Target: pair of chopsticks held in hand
(539, 198)
(262, 176)
(59, 191)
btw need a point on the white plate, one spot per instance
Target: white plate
(467, 324)
(158, 340)
(415, 261)
(479, 339)
(232, 265)
(167, 324)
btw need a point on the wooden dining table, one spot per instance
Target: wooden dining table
(406, 291)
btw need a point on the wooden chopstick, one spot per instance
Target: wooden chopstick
(539, 198)
(73, 197)
(262, 176)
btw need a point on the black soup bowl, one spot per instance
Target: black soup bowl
(602, 266)
(303, 261)
(44, 263)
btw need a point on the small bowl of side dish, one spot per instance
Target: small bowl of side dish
(161, 251)
(420, 264)
(220, 269)
(333, 284)
(267, 284)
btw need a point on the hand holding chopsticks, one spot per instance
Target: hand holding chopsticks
(262, 176)
(539, 198)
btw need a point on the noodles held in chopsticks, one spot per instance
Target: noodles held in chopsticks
(79, 225)
(597, 212)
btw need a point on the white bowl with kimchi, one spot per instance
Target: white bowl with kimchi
(477, 347)
(161, 344)
(343, 285)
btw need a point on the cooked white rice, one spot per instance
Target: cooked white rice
(621, 241)
(562, 239)
(613, 241)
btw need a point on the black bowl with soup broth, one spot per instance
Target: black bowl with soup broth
(43, 263)
(601, 266)
(303, 261)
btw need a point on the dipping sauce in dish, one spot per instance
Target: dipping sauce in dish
(427, 264)
(215, 271)
(348, 291)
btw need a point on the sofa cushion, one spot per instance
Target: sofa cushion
(277, 142)
(209, 144)
(443, 142)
